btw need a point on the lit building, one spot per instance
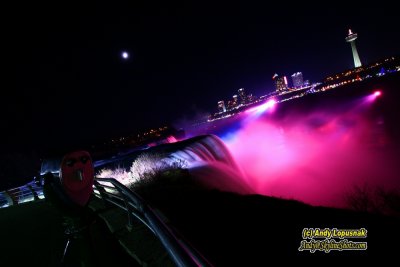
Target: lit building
(250, 98)
(281, 83)
(242, 94)
(351, 38)
(230, 104)
(297, 79)
(221, 106)
(235, 101)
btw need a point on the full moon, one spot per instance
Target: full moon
(125, 55)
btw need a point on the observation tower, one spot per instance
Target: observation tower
(351, 38)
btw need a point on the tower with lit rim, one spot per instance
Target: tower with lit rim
(351, 38)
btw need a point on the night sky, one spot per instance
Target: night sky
(66, 82)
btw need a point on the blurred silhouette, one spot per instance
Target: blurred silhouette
(69, 193)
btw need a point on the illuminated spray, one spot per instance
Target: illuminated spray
(313, 156)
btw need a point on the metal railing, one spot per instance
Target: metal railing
(112, 191)
(28, 192)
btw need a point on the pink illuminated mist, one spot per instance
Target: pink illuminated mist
(316, 157)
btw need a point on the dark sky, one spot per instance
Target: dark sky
(64, 79)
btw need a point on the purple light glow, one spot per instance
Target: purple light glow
(261, 108)
(372, 97)
(314, 157)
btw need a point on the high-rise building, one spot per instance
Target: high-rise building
(351, 38)
(221, 106)
(242, 95)
(281, 83)
(235, 100)
(297, 79)
(230, 104)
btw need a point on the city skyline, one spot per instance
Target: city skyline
(284, 92)
(68, 79)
